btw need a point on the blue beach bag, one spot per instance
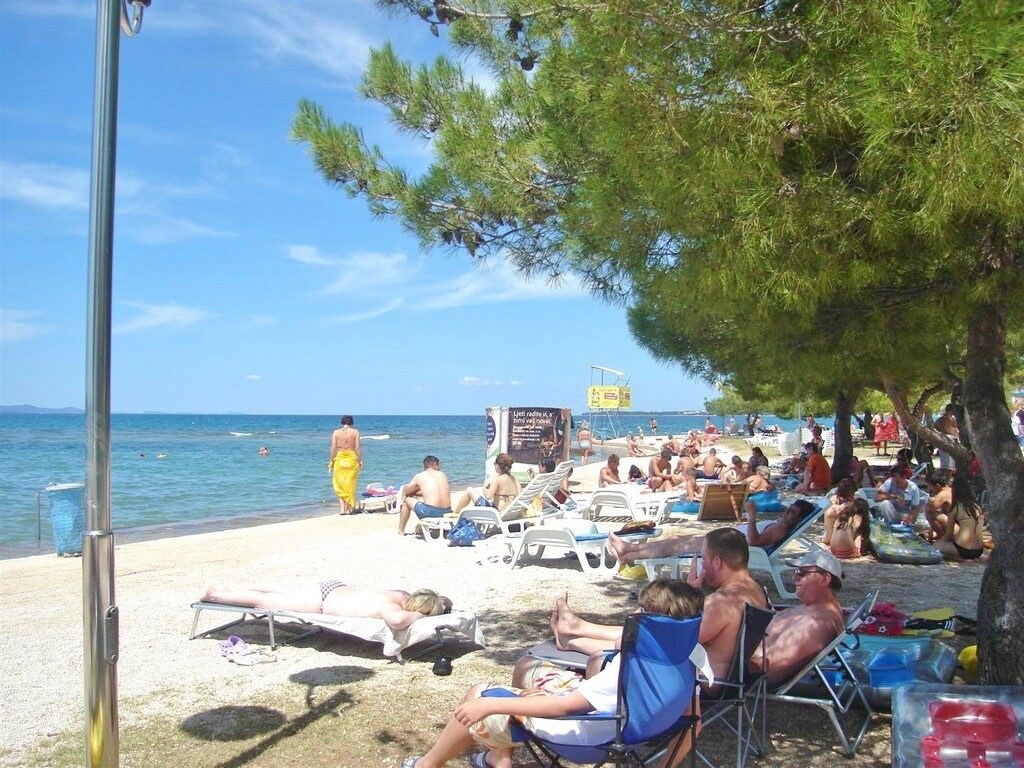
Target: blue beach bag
(464, 533)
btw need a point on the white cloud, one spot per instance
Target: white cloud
(359, 271)
(253, 377)
(515, 383)
(142, 214)
(368, 270)
(391, 306)
(309, 254)
(169, 230)
(323, 38)
(259, 321)
(477, 381)
(72, 9)
(16, 325)
(46, 186)
(159, 315)
(490, 284)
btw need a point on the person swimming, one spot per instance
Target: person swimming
(263, 451)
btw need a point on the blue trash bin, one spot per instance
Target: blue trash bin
(67, 513)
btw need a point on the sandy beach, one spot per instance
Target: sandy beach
(330, 693)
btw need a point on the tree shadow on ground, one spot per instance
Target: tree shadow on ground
(241, 722)
(512, 631)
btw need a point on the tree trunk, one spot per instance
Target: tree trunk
(1001, 604)
(912, 422)
(842, 438)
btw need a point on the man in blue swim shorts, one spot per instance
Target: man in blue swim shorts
(426, 495)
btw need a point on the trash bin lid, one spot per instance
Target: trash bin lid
(64, 486)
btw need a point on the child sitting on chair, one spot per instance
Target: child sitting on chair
(485, 719)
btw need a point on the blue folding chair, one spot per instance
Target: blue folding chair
(657, 686)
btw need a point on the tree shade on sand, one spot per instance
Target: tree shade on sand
(819, 199)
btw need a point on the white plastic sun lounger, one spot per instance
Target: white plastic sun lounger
(430, 632)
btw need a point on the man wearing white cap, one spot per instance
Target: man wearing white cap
(796, 635)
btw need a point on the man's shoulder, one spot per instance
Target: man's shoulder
(737, 593)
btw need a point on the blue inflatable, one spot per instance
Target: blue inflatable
(767, 502)
(884, 663)
(685, 508)
(899, 544)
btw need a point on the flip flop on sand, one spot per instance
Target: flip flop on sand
(234, 645)
(253, 657)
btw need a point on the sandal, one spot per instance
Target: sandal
(410, 762)
(252, 657)
(233, 646)
(479, 760)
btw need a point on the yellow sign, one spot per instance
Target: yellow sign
(608, 398)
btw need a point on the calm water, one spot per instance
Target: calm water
(211, 469)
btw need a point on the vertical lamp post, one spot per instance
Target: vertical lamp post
(100, 616)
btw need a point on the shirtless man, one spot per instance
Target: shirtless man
(762, 534)
(759, 481)
(426, 495)
(738, 471)
(796, 635)
(940, 501)
(684, 463)
(344, 463)
(724, 555)
(946, 424)
(710, 466)
(610, 472)
(659, 472)
(673, 445)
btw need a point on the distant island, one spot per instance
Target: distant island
(37, 409)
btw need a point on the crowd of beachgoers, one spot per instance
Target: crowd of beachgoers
(514, 608)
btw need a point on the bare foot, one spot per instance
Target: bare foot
(564, 624)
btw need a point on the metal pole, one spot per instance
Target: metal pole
(100, 613)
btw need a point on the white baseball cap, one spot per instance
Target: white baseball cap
(819, 558)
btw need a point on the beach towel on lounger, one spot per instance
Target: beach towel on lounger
(345, 470)
(375, 630)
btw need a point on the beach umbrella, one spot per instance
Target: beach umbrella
(100, 614)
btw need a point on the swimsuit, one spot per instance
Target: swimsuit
(326, 587)
(429, 510)
(481, 501)
(969, 554)
(702, 476)
(845, 554)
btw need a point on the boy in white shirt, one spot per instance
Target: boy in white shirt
(485, 719)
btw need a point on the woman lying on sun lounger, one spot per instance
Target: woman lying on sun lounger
(396, 607)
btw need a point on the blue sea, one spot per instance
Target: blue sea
(210, 467)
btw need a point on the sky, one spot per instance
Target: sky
(242, 281)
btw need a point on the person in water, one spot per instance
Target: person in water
(263, 451)
(396, 607)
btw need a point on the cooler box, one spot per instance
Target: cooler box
(958, 726)
(67, 514)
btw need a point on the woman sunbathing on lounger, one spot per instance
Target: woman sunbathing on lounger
(496, 492)
(396, 607)
(758, 535)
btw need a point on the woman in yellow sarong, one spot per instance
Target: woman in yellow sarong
(345, 462)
